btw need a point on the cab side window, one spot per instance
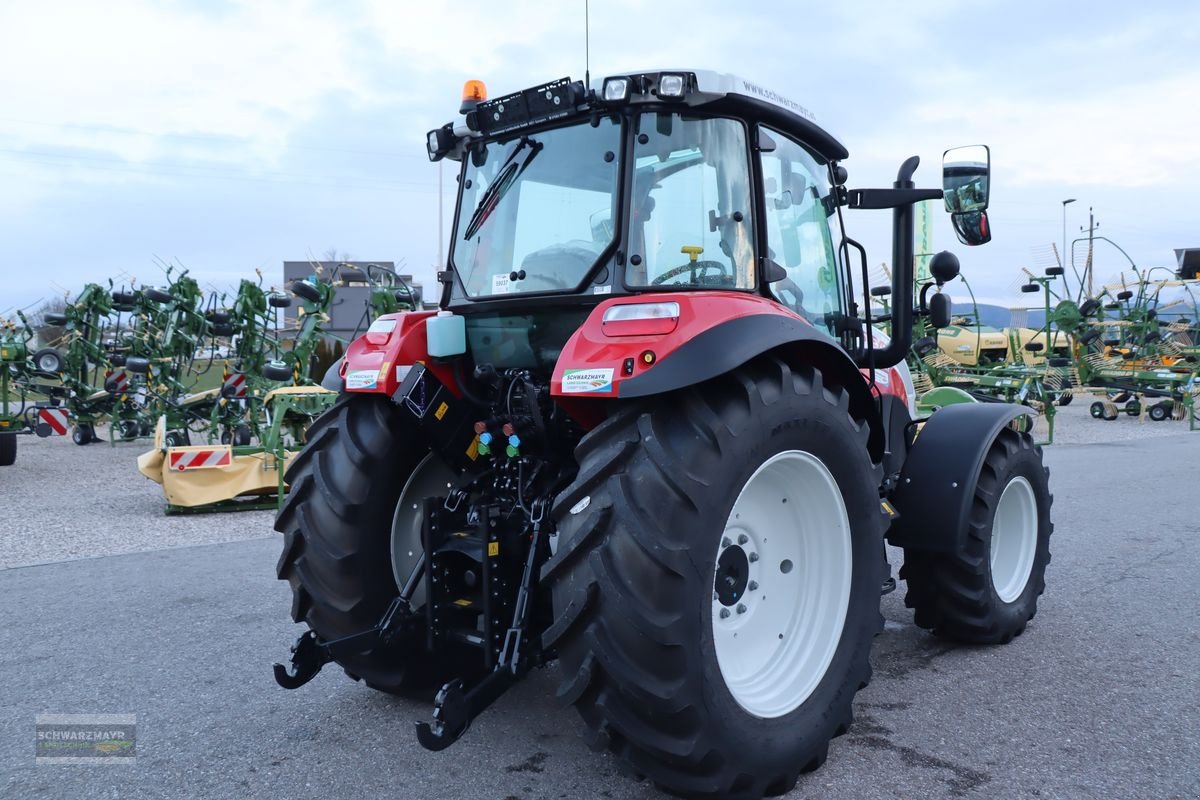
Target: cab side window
(799, 213)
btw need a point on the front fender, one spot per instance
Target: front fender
(937, 482)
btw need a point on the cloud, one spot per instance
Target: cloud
(138, 78)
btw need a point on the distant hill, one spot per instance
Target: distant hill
(989, 315)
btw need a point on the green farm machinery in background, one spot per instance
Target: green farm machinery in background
(30, 400)
(188, 367)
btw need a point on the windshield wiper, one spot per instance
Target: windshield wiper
(509, 172)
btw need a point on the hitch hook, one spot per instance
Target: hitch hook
(308, 656)
(451, 718)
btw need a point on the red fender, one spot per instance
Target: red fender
(377, 361)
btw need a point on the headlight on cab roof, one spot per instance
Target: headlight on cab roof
(670, 86)
(616, 90)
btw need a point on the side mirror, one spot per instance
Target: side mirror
(966, 173)
(939, 310)
(972, 228)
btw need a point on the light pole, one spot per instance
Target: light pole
(1065, 203)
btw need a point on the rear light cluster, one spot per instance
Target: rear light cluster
(381, 331)
(640, 319)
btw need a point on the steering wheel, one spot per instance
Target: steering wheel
(722, 269)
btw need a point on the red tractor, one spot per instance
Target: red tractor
(652, 434)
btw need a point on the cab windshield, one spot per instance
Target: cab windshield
(537, 209)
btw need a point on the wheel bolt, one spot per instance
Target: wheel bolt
(753, 557)
(724, 613)
(743, 538)
(741, 608)
(753, 585)
(725, 541)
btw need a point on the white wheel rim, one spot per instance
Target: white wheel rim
(1014, 539)
(775, 641)
(430, 478)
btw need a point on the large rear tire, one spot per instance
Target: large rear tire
(337, 523)
(676, 537)
(8, 449)
(988, 591)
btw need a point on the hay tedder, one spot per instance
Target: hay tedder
(1131, 351)
(649, 435)
(31, 401)
(257, 417)
(967, 362)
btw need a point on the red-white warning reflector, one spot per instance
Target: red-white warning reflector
(199, 457)
(235, 385)
(55, 421)
(117, 382)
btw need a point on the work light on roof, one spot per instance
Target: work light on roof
(616, 90)
(439, 141)
(671, 86)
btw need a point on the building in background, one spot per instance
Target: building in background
(349, 312)
(1189, 263)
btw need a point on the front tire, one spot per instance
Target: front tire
(665, 490)
(987, 591)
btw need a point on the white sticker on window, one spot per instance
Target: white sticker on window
(501, 284)
(602, 290)
(362, 378)
(584, 381)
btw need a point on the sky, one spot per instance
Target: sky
(229, 136)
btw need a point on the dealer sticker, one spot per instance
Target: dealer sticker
(362, 379)
(584, 381)
(501, 284)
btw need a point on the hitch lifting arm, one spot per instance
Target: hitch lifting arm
(454, 708)
(309, 653)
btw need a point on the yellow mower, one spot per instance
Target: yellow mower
(224, 477)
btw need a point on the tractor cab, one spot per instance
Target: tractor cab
(659, 183)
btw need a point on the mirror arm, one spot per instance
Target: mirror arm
(891, 198)
(902, 261)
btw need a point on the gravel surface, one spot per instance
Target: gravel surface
(1074, 425)
(1099, 698)
(61, 501)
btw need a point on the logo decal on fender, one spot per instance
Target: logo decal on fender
(362, 379)
(584, 381)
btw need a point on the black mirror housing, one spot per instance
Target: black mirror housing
(944, 267)
(939, 310)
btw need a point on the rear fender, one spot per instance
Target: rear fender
(716, 333)
(937, 483)
(377, 361)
